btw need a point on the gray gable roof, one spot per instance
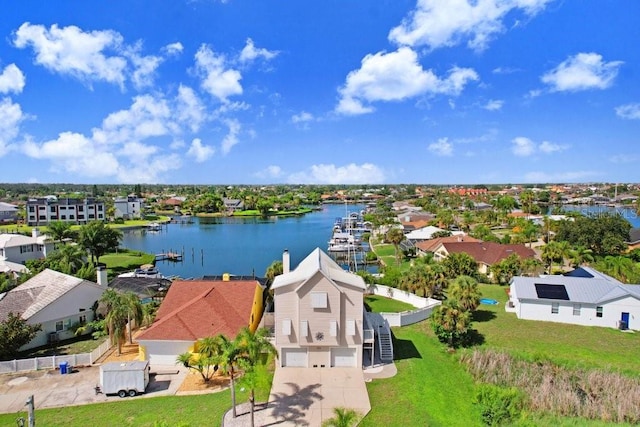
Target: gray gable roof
(38, 292)
(634, 236)
(583, 285)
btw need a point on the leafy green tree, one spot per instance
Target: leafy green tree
(343, 417)
(14, 333)
(619, 267)
(98, 239)
(206, 360)
(580, 255)
(451, 323)
(395, 236)
(274, 269)
(67, 259)
(460, 264)
(264, 207)
(504, 270)
(422, 280)
(60, 231)
(230, 356)
(464, 290)
(122, 309)
(604, 234)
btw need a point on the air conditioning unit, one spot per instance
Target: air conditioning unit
(53, 337)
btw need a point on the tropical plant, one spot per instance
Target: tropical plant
(60, 231)
(14, 333)
(121, 311)
(421, 279)
(580, 255)
(67, 259)
(395, 236)
(451, 323)
(343, 417)
(206, 360)
(460, 264)
(230, 355)
(464, 290)
(98, 239)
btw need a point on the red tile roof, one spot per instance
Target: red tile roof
(489, 252)
(202, 308)
(432, 244)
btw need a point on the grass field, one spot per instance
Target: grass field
(381, 304)
(125, 260)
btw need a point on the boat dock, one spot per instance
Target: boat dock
(169, 256)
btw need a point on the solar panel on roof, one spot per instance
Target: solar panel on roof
(546, 291)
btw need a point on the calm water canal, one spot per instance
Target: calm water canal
(241, 246)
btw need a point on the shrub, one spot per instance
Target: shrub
(499, 405)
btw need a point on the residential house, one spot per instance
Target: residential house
(484, 253)
(197, 309)
(634, 239)
(43, 210)
(584, 296)
(56, 301)
(8, 212)
(233, 205)
(430, 246)
(18, 248)
(129, 207)
(426, 233)
(318, 314)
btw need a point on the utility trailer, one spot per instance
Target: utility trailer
(124, 378)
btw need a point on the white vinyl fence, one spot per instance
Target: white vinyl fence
(52, 362)
(424, 306)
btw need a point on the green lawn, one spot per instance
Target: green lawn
(83, 344)
(431, 388)
(126, 260)
(382, 304)
(569, 345)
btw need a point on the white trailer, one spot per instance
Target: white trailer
(124, 378)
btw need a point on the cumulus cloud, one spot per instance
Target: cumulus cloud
(10, 118)
(302, 117)
(494, 105)
(190, 109)
(200, 152)
(173, 49)
(218, 79)
(629, 111)
(250, 53)
(88, 55)
(523, 147)
(366, 173)
(270, 172)
(396, 76)
(231, 138)
(582, 72)
(442, 147)
(11, 79)
(437, 23)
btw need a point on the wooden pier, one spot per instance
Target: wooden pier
(169, 256)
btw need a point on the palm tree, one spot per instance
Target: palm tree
(343, 418)
(395, 236)
(69, 258)
(274, 269)
(121, 310)
(254, 347)
(230, 355)
(98, 239)
(135, 313)
(580, 255)
(450, 322)
(60, 231)
(464, 290)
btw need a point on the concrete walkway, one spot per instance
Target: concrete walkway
(307, 397)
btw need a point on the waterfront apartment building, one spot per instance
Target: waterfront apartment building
(128, 207)
(41, 211)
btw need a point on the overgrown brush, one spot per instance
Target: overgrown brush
(550, 388)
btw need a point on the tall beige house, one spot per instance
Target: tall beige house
(318, 314)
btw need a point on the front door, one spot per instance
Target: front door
(625, 320)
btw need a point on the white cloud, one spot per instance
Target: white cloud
(505, 70)
(629, 111)
(396, 76)
(437, 23)
(155, 170)
(137, 150)
(231, 138)
(190, 110)
(523, 146)
(270, 172)
(69, 50)
(144, 66)
(10, 118)
(576, 176)
(367, 173)
(250, 53)
(11, 79)
(200, 152)
(581, 72)
(624, 158)
(442, 147)
(302, 117)
(217, 79)
(173, 49)
(494, 105)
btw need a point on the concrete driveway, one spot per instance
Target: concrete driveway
(307, 396)
(51, 389)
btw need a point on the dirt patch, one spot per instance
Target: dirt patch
(193, 382)
(127, 353)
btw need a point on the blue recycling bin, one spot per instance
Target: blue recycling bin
(64, 368)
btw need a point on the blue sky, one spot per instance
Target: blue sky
(320, 92)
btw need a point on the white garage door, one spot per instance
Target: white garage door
(343, 357)
(294, 357)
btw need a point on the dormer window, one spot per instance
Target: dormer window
(318, 299)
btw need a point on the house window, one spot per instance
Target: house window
(351, 327)
(52, 209)
(333, 328)
(71, 216)
(82, 319)
(100, 207)
(32, 209)
(599, 311)
(286, 326)
(304, 328)
(576, 309)
(59, 325)
(555, 307)
(80, 208)
(319, 299)
(63, 217)
(43, 217)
